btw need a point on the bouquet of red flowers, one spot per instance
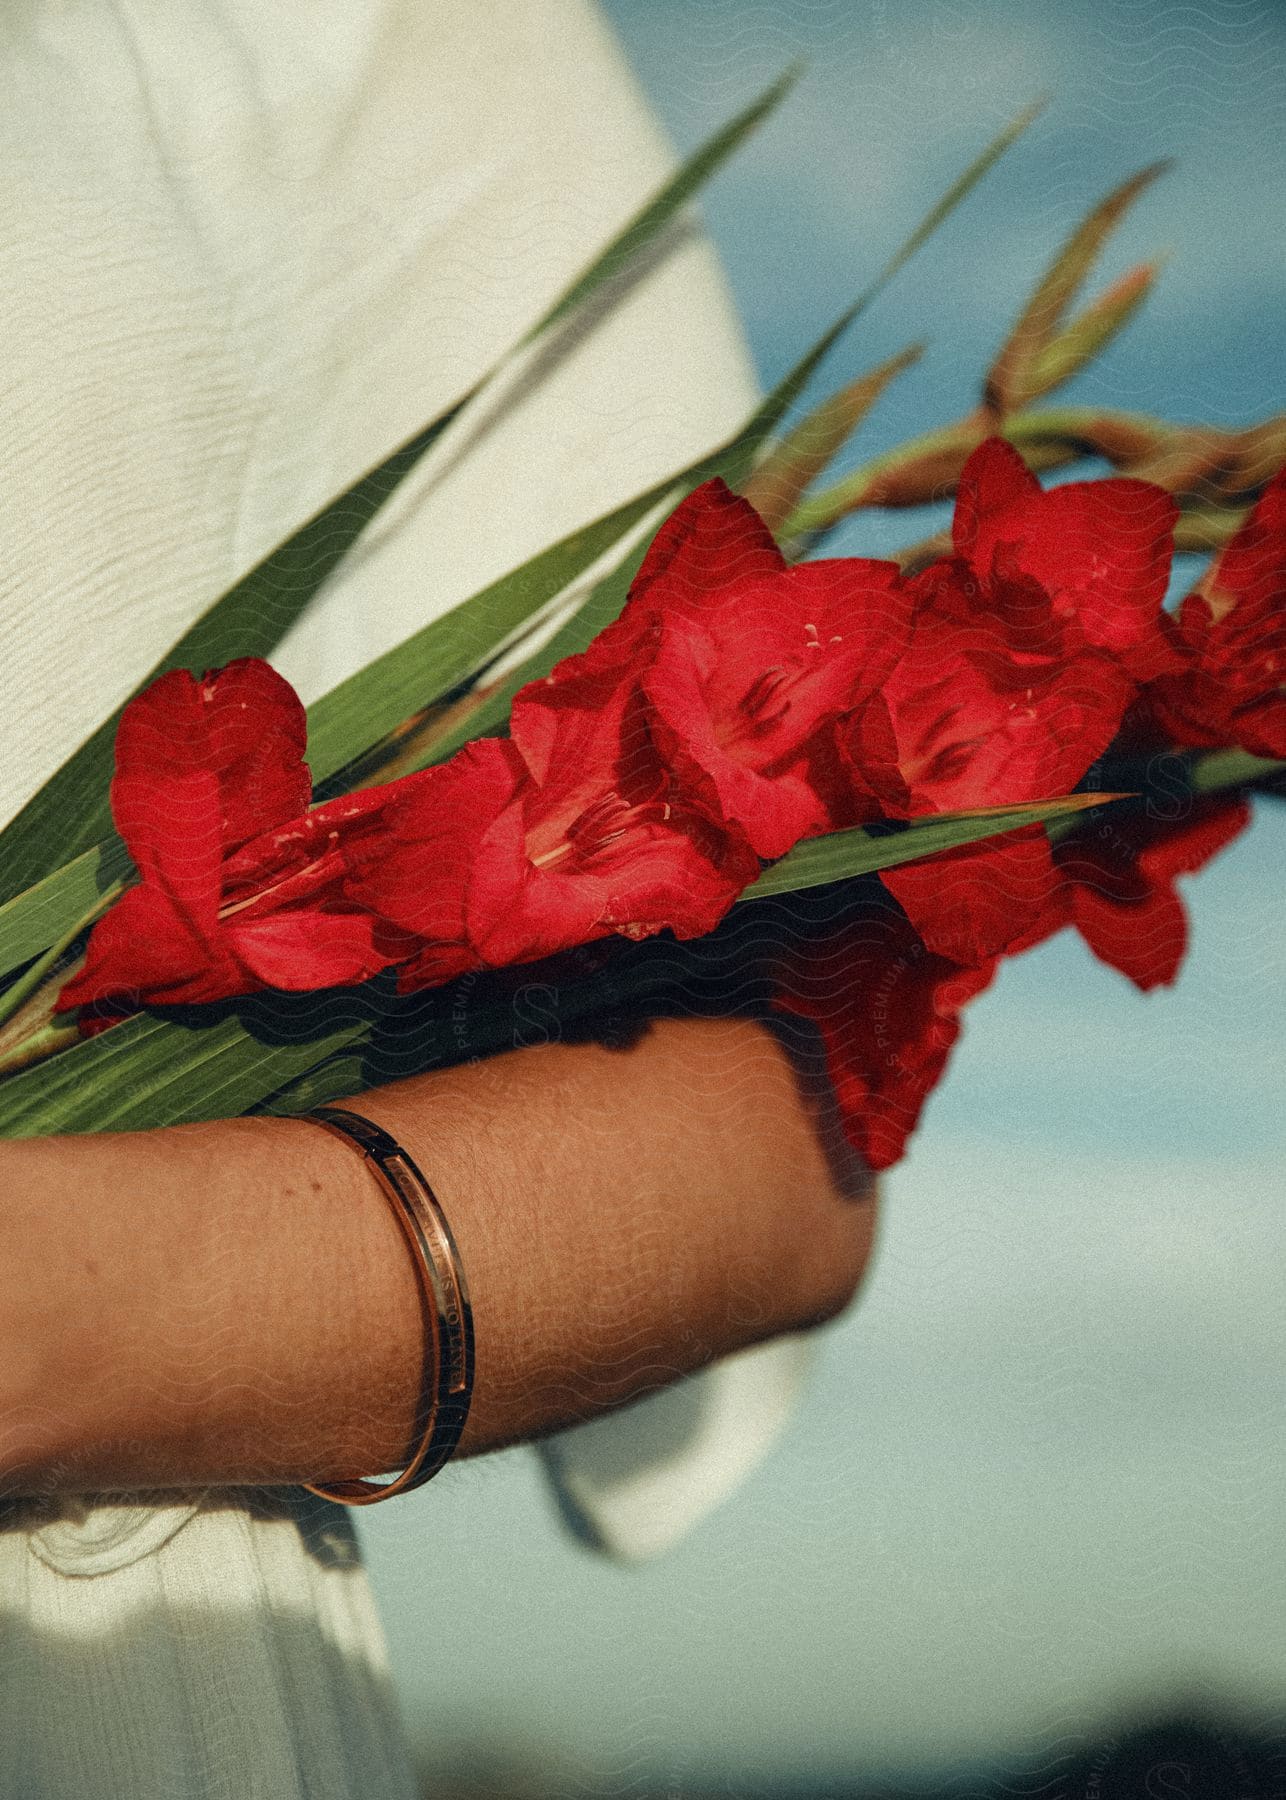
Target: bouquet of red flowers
(1002, 733)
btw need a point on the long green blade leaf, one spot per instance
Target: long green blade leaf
(960, 188)
(154, 1071)
(840, 855)
(657, 213)
(39, 915)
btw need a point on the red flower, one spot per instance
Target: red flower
(646, 776)
(888, 1011)
(1003, 696)
(997, 699)
(750, 661)
(1232, 631)
(1117, 885)
(573, 830)
(1100, 550)
(241, 886)
(416, 872)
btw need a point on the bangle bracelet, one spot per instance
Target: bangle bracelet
(448, 1379)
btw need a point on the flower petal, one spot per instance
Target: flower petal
(992, 704)
(993, 491)
(1233, 687)
(1100, 549)
(145, 951)
(254, 729)
(201, 766)
(416, 872)
(653, 877)
(889, 1013)
(740, 694)
(972, 903)
(1122, 885)
(712, 542)
(305, 948)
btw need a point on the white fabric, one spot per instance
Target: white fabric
(631, 1484)
(248, 247)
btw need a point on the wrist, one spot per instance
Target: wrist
(199, 1305)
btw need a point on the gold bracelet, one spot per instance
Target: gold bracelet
(446, 1391)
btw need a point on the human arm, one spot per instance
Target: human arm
(233, 1302)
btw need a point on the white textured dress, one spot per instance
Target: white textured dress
(249, 246)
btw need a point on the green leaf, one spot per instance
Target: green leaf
(840, 855)
(151, 1071)
(1217, 771)
(1009, 383)
(39, 916)
(33, 977)
(960, 188)
(652, 218)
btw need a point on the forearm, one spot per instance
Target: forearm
(234, 1301)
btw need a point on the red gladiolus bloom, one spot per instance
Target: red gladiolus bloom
(241, 886)
(569, 832)
(646, 776)
(1100, 550)
(999, 699)
(1232, 631)
(416, 873)
(888, 1011)
(610, 831)
(1024, 649)
(750, 661)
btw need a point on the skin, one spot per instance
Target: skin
(233, 1302)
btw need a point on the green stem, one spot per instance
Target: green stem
(1214, 771)
(1050, 436)
(30, 980)
(37, 1046)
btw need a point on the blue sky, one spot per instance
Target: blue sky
(1038, 1475)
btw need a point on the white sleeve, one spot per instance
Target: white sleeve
(250, 247)
(633, 1483)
